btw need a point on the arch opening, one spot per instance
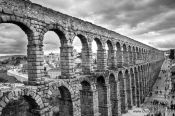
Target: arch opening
(119, 55)
(102, 96)
(52, 54)
(113, 95)
(65, 103)
(122, 92)
(24, 106)
(110, 54)
(98, 54)
(14, 40)
(128, 89)
(81, 56)
(86, 99)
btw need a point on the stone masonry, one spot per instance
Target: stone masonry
(123, 77)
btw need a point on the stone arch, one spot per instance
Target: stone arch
(101, 55)
(123, 95)
(125, 55)
(34, 43)
(118, 46)
(128, 88)
(60, 32)
(137, 86)
(21, 102)
(85, 54)
(102, 96)
(113, 94)
(22, 23)
(110, 54)
(66, 49)
(99, 43)
(119, 54)
(65, 99)
(86, 99)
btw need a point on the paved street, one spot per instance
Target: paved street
(159, 96)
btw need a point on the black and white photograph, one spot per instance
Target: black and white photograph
(87, 57)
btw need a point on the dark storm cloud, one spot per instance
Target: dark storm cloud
(115, 13)
(148, 21)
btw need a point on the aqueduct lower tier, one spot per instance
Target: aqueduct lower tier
(123, 77)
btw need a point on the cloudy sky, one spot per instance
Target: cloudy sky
(149, 21)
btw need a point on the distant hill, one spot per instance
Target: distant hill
(12, 59)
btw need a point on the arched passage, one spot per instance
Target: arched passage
(128, 89)
(110, 54)
(65, 52)
(123, 95)
(24, 106)
(65, 105)
(125, 55)
(86, 99)
(101, 55)
(16, 45)
(113, 95)
(82, 54)
(102, 96)
(51, 49)
(119, 55)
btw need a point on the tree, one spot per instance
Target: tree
(171, 56)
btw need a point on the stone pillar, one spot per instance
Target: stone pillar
(95, 101)
(131, 92)
(76, 104)
(67, 66)
(35, 61)
(112, 62)
(119, 99)
(125, 92)
(129, 96)
(119, 55)
(141, 86)
(87, 60)
(137, 89)
(101, 60)
(144, 83)
(108, 105)
(125, 58)
(134, 90)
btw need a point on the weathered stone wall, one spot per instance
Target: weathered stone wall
(118, 84)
